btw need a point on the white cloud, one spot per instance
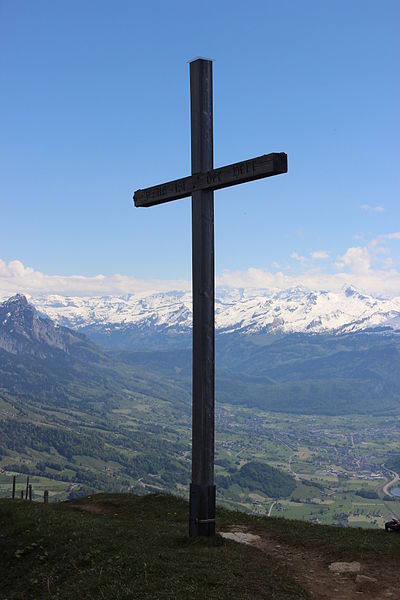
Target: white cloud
(355, 260)
(15, 277)
(369, 208)
(298, 257)
(378, 246)
(385, 282)
(388, 262)
(320, 255)
(394, 235)
(367, 268)
(358, 266)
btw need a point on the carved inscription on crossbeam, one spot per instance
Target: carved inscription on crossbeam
(241, 172)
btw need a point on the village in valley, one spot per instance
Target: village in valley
(338, 463)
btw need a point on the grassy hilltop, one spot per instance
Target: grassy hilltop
(124, 546)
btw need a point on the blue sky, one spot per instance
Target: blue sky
(95, 103)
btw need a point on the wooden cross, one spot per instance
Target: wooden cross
(200, 186)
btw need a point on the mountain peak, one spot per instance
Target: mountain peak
(350, 291)
(295, 310)
(23, 331)
(18, 299)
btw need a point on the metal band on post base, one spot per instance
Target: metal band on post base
(202, 489)
(202, 505)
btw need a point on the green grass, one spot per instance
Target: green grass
(137, 548)
(73, 453)
(334, 542)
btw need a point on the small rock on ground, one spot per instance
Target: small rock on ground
(345, 567)
(365, 579)
(240, 536)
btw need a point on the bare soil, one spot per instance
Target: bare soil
(97, 508)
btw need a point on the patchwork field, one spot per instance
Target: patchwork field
(337, 463)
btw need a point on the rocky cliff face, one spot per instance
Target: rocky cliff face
(23, 331)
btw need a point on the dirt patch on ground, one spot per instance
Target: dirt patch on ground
(374, 580)
(97, 508)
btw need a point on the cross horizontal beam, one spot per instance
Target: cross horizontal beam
(215, 179)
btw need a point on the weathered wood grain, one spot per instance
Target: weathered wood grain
(266, 165)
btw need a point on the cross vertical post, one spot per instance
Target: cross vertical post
(202, 488)
(200, 185)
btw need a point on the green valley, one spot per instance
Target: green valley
(78, 419)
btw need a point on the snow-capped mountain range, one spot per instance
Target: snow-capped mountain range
(236, 310)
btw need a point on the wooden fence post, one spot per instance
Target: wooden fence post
(30, 492)
(13, 488)
(27, 488)
(46, 497)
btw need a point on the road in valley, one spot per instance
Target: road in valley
(271, 507)
(391, 483)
